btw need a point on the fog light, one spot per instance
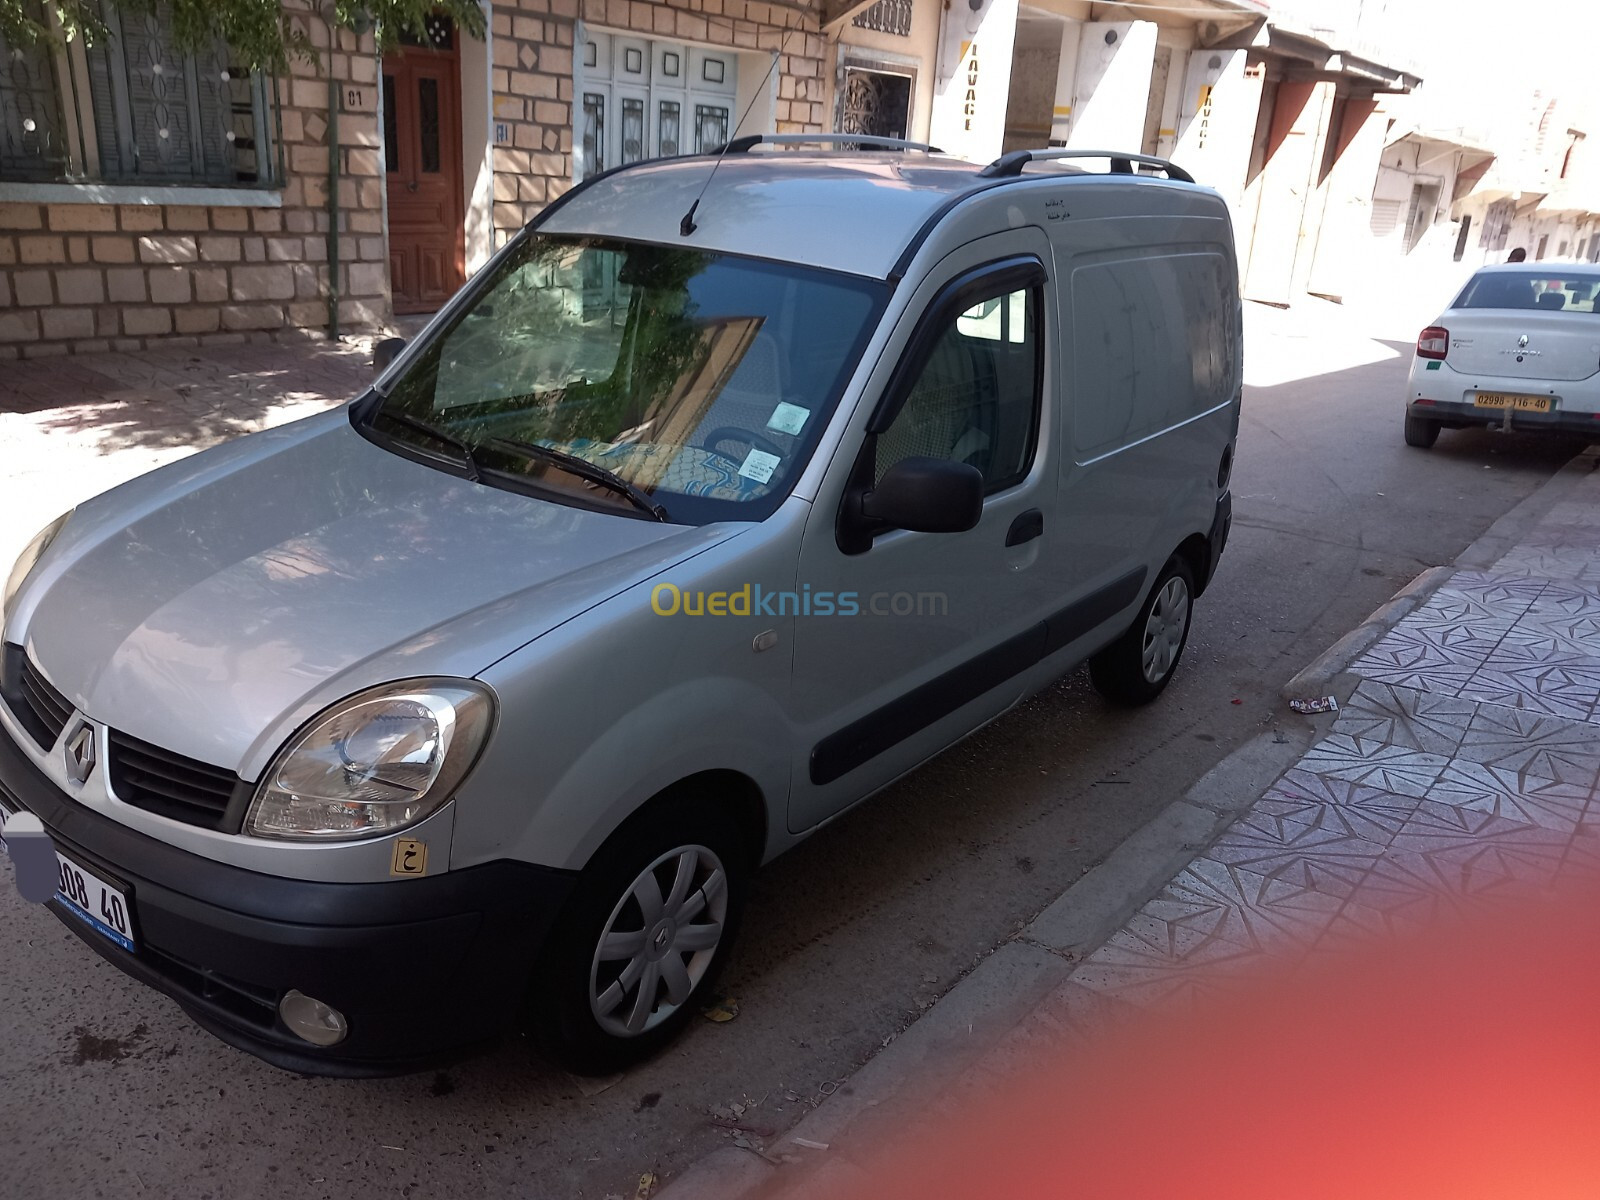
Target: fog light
(316, 1022)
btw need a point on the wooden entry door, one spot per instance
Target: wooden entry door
(422, 148)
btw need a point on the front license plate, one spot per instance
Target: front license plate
(104, 908)
(1503, 400)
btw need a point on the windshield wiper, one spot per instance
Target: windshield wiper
(468, 458)
(583, 469)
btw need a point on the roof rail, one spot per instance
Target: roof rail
(1121, 162)
(745, 144)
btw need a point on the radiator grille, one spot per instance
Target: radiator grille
(42, 710)
(171, 785)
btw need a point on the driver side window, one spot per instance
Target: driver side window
(976, 398)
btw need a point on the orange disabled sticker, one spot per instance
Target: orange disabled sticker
(410, 857)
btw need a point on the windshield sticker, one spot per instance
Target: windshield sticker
(788, 418)
(759, 465)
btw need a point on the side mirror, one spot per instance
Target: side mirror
(385, 352)
(927, 495)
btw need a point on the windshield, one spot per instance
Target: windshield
(701, 380)
(1553, 290)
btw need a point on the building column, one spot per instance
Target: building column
(1066, 81)
(477, 146)
(1111, 90)
(1343, 250)
(1217, 115)
(973, 78)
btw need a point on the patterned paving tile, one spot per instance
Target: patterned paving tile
(1211, 919)
(1406, 661)
(1278, 861)
(1557, 634)
(1475, 639)
(1399, 716)
(1483, 787)
(1456, 831)
(1537, 678)
(1368, 813)
(1383, 911)
(1571, 561)
(1144, 972)
(1492, 587)
(1395, 769)
(1576, 595)
(1468, 868)
(1535, 745)
(1497, 687)
(1447, 604)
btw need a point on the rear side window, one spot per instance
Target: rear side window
(1558, 291)
(976, 399)
(1153, 345)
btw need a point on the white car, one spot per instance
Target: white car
(1519, 348)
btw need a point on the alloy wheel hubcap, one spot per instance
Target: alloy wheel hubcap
(1164, 629)
(659, 941)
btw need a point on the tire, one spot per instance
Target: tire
(1137, 667)
(584, 1008)
(1421, 432)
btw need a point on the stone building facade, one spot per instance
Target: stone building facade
(117, 263)
(147, 195)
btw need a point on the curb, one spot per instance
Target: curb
(996, 995)
(1323, 674)
(1009, 984)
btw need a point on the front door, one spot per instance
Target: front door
(422, 147)
(932, 634)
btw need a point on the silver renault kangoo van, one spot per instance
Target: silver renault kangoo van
(731, 490)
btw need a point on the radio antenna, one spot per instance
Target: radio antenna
(687, 225)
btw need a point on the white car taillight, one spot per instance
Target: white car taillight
(1433, 342)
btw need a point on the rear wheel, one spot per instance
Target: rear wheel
(1137, 667)
(642, 938)
(1421, 432)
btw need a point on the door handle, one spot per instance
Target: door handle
(412, 186)
(1025, 528)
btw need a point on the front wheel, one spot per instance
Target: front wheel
(1137, 667)
(1421, 432)
(640, 942)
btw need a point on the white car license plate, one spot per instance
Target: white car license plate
(1503, 400)
(91, 899)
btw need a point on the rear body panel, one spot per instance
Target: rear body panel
(1537, 347)
(1512, 368)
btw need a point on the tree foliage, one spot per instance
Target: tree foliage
(263, 34)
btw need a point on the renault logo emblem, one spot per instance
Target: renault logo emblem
(1523, 340)
(80, 754)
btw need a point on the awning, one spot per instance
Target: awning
(1318, 53)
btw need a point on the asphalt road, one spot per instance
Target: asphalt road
(106, 1089)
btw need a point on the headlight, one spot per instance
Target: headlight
(377, 762)
(27, 560)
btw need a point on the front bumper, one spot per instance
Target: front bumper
(1456, 415)
(425, 970)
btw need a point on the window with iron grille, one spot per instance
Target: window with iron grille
(136, 109)
(886, 16)
(32, 140)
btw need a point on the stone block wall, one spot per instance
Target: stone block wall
(86, 277)
(532, 78)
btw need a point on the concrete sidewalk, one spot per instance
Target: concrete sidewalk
(1460, 772)
(72, 427)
